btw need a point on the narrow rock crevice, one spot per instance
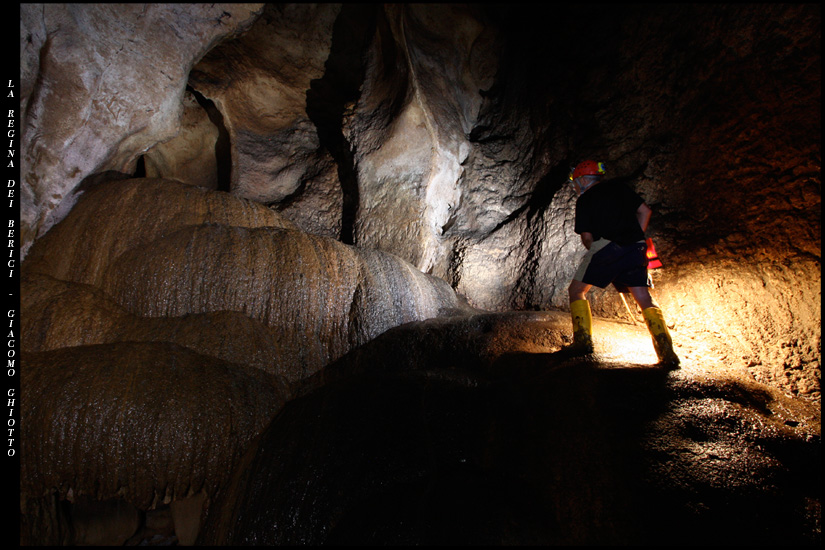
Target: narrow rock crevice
(223, 147)
(330, 97)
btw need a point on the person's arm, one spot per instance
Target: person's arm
(587, 239)
(643, 214)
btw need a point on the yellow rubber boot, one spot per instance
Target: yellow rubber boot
(582, 326)
(661, 337)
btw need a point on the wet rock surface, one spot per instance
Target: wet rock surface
(165, 326)
(437, 138)
(147, 423)
(151, 259)
(452, 441)
(63, 314)
(443, 133)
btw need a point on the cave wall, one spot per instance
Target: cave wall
(247, 192)
(258, 82)
(116, 74)
(443, 135)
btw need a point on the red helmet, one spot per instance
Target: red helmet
(588, 168)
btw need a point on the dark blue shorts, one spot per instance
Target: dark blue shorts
(607, 262)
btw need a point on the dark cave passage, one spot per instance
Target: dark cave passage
(329, 97)
(223, 147)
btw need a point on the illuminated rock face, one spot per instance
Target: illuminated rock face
(192, 257)
(363, 146)
(443, 134)
(83, 62)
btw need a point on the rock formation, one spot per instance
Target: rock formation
(192, 281)
(483, 433)
(253, 194)
(84, 62)
(145, 423)
(406, 129)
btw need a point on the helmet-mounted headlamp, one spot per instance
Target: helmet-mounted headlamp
(589, 171)
(587, 168)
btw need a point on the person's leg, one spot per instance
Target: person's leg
(655, 321)
(642, 296)
(580, 314)
(577, 290)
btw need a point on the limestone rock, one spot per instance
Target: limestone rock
(258, 81)
(103, 83)
(763, 316)
(184, 296)
(192, 155)
(186, 256)
(420, 100)
(62, 314)
(443, 134)
(319, 297)
(107, 523)
(117, 216)
(145, 422)
(483, 433)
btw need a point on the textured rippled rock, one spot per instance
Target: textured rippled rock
(146, 423)
(118, 216)
(63, 314)
(318, 296)
(193, 255)
(153, 298)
